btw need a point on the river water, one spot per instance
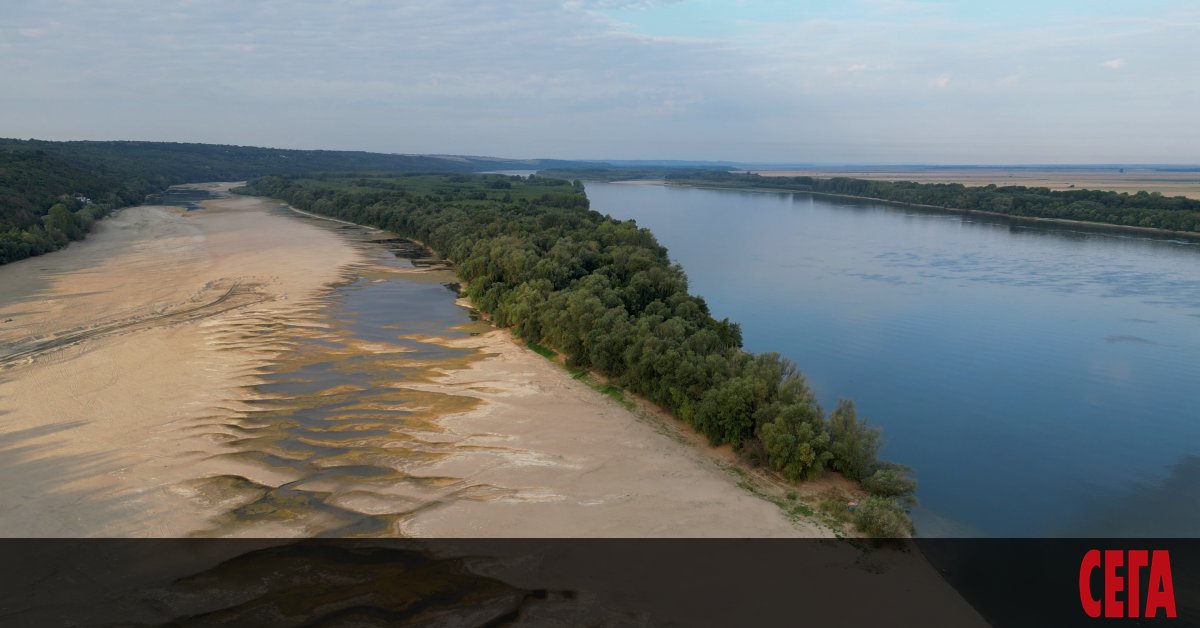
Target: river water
(1041, 379)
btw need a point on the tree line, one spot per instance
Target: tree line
(1143, 209)
(43, 184)
(604, 293)
(46, 202)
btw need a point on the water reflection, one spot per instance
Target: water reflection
(332, 419)
(1166, 508)
(1019, 367)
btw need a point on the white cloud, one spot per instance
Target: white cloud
(553, 79)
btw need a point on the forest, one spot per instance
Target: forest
(45, 201)
(604, 293)
(52, 192)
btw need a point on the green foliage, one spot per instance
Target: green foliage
(882, 518)
(892, 481)
(545, 352)
(796, 442)
(802, 510)
(604, 293)
(834, 506)
(854, 444)
(37, 175)
(45, 202)
(613, 391)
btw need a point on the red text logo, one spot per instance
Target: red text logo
(1120, 591)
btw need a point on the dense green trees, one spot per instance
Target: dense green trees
(604, 293)
(45, 202)
(854, 444)
(797, 443)
(36, 175)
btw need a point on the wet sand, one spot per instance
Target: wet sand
(145, 392)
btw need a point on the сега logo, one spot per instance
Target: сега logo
(1160, 594)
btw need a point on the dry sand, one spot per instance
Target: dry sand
(121, 352)
(96, 434)
(1132, 180)
(586, 466)
(131, 346)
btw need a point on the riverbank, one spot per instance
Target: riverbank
(1104, 226)
(136, 361)
(1175, 181)
(542, 454)
(1024, 336)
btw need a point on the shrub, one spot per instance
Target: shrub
(853, 445)
(882, 518)
(892, 481)
(797, 443)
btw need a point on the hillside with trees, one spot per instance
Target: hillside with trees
(605, 294)
(52, 192)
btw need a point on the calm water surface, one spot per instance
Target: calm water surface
(1043, 380)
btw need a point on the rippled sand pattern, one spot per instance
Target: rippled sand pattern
(332, 420)
(243, 370)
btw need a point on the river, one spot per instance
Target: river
(1040, 378)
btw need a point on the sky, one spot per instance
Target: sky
(824, 82)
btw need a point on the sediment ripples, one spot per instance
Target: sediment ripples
(328, 435)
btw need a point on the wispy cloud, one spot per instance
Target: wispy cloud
(1011, 79)
(831, 81)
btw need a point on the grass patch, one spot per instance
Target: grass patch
(545, 352)
(834, 506)
(613, 391)
(802, 510)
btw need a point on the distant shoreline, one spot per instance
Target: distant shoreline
(1190, 235)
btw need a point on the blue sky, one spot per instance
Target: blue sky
(853, 81)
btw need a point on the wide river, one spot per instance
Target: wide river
(1041, 379)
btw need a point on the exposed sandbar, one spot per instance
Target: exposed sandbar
(98, 432)
(133, 360)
